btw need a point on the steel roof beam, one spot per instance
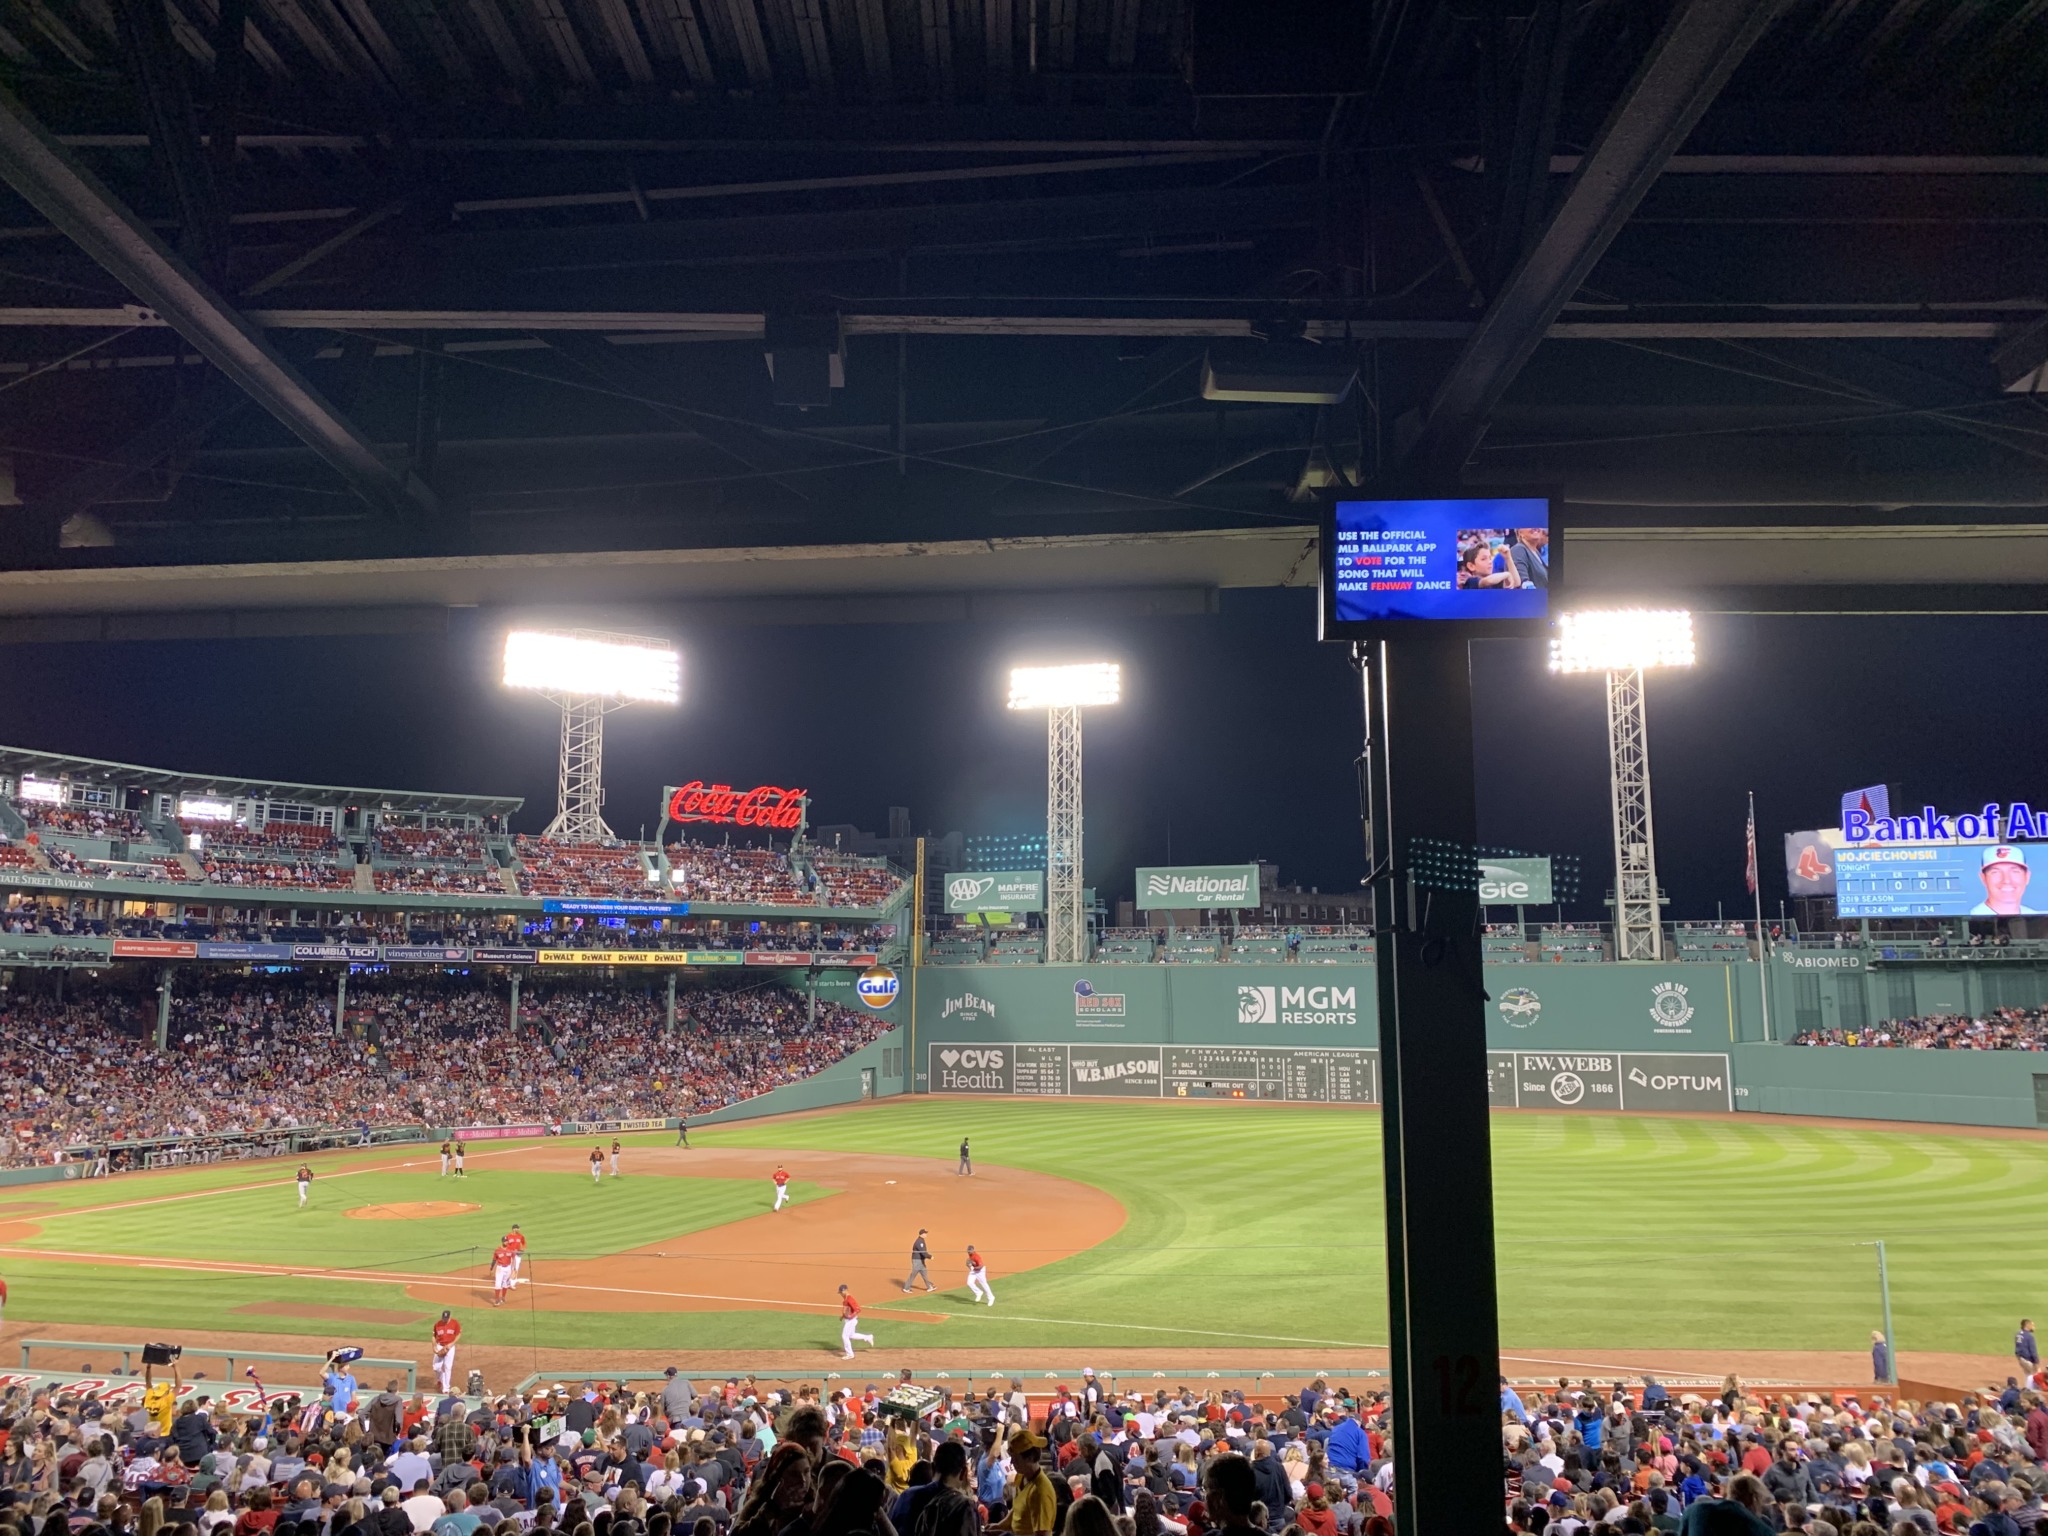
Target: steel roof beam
(72, 199)
(1698, 49)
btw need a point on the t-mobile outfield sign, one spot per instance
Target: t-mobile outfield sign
(1198, 886)
(996, 890)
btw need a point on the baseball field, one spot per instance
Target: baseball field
(1195, 1227)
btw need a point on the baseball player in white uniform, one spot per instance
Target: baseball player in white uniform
(849, 1323)
(977, 1277)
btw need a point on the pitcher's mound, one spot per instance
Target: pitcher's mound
(412, 1210)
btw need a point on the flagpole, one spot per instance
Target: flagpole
(1763, 950)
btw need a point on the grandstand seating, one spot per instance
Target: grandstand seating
(552, 867)
(852, 882)
(1193, 949)
(1017, 949)
(1710, 942)
(14, 856)
(1572, 945)
(955, 950)
(742, 876)
(1127, 948)
(1333, 948)
(81, 820)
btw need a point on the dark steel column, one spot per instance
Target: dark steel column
(1443, 1318)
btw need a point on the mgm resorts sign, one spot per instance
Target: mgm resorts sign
(1198, 887)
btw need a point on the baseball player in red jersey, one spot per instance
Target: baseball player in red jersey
(304, 1178)
(516, 1241)
(501, 1275)
(446, 1332)
(977, 1277)
(781, 1186)
(849, 1323)
(596, 1164)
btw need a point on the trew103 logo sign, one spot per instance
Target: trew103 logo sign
(1671, 1008)
(1297, 1005)
(877, 986)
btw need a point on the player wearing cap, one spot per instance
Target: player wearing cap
(849, 1323)
(305, 1181)
(596, 1165)
(446, 1332)
(516, 1241)
(501, 1275)
(977, 1278)
(781, 1186)
(615, 1157)
(920, 1255)
(461, 1151)
(2005, 875)
(447, 1151)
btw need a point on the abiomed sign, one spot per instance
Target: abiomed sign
(1198, 886)
(996, 890)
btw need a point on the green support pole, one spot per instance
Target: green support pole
(669, 1019)
(512, 1012)
(1884, 1294)
(340, 1002)
(163, 1011)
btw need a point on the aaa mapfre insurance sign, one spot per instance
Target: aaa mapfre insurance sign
(765, 805)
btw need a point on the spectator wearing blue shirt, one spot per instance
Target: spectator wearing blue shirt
(1349, 1450)
(341, 1386)
(547, 1473)
(2025, 1350)
(1591, 1425)
(1511, 1402)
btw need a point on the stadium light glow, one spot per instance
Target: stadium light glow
(547, 661)
(1622, 640)
(1087, 684)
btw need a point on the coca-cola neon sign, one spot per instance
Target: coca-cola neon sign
(765, 805)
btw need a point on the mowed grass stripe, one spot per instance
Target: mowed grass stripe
(562, 1214)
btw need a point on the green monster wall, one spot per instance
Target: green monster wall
(1633, 1037)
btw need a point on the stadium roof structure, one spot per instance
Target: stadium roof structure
(22, 760)
(329, 314)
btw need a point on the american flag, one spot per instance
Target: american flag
(1749, 872)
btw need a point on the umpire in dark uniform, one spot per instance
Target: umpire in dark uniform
(966, 1161)
(920, 1253)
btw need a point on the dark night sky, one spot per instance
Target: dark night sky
(1236, 734)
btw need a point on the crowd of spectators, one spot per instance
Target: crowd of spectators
(718, 872)
(551, 867)
(2003, 1029)
(1642, 1460)
(81, 820)
(851, 882)
(1086, 1459)
(418, 845)
(273, 836)
(438, 880)
(247, 1055)
(248, 867)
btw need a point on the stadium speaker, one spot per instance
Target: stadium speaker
(806, 359)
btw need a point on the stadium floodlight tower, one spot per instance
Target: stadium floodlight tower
(589, 673)
(1625, 643)
(1063, 692)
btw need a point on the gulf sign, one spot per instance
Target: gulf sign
(877, 986)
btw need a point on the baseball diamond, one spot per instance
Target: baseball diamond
(1103, 1222)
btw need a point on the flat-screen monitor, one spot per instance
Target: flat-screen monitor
(1486, 563)
(1941, 880)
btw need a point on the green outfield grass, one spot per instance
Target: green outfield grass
(1248, 1226)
